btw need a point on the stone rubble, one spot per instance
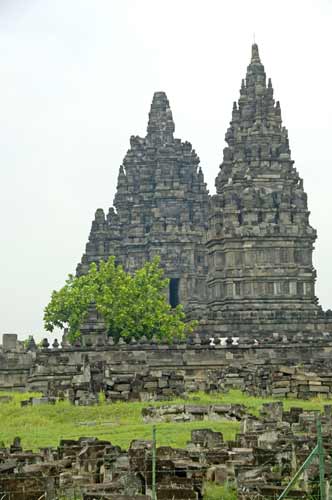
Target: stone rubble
(191, 413)
(264, 455)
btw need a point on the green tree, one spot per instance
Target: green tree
(131, 305)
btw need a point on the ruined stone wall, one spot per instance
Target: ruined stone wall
(15, 364)
(300, 368)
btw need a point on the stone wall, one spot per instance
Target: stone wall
(301, 367)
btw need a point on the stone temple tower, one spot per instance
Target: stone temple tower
(239, 261)
(160, 208)
(259, 241)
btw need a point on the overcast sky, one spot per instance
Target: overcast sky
(77, 79)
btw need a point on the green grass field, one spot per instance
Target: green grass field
(120, 423)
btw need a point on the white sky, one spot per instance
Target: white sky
(77, 79)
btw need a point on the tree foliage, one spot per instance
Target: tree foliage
(131, 305)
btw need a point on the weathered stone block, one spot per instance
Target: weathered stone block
(220, 474)
(151, 385)
(121, 387)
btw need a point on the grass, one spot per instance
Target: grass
(216, 492)
(120, 423)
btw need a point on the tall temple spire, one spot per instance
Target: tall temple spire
(160, 208)
(255, 54)
(255, 72)
(260, 240)
(256, 133)
(161, 125)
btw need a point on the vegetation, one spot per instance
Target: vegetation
(217, 492)
(120, 423)
(131, 305)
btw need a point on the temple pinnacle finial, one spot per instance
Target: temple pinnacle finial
(161, 126)
(255, 54)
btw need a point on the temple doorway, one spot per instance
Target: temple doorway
(174, 285)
